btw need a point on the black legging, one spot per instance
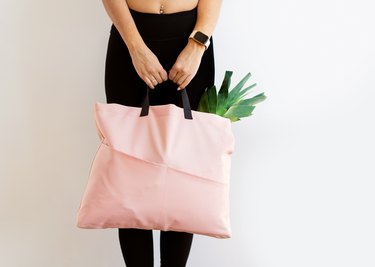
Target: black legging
(166, 35)
(137, 247)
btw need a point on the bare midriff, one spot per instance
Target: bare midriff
(161, 6)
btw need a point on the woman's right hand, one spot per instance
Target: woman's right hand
(148, 66)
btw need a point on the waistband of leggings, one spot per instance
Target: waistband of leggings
(155, 26)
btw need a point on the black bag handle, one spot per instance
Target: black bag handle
(185, 104)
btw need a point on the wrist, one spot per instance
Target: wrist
(200, 37)
(195, 46)
(135, 45)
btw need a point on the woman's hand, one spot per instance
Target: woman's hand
(148, 66)
(187, 64)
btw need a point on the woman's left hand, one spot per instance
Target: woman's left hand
(187, 64)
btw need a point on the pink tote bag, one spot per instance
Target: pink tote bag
(159, 167)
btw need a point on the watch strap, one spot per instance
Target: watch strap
(206, 43)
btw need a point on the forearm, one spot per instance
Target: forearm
(119, 13)
(208, 15)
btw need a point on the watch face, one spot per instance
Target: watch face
(201, 37)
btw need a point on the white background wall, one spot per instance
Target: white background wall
(302, 191)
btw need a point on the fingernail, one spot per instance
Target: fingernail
(178, 88)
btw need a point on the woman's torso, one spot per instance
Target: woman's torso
(168, 6)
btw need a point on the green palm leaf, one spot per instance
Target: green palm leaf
(203, 103)
(230, 104)
(234, 93)
(240, 95)
(252, 101)
(239, 111)
(223, 93)
(212, 99)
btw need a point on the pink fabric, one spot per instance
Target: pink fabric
(160, 171)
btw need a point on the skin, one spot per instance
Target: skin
(144, 60)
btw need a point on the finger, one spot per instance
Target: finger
(154, 81)
(177, 77)
(148, 82)
(181, 80)
(164, 75)
(186, 82)
(158, 77)
(172, 74)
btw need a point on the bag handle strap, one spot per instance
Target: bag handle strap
(185, 104)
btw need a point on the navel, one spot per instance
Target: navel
(161, 10)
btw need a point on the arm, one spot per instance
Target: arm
(208, 15)
(144, 60)
(187, 63)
